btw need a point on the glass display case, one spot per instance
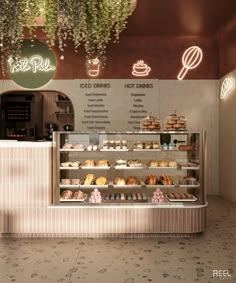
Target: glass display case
(130, 168)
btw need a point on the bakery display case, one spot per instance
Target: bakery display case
(130, 168)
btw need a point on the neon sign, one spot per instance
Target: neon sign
(35, 64)
(227, 85)
(93, 67)
(191, 58)
(140, 69)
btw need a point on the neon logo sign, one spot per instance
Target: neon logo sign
(191, 58)
(35, 64)
(93, 67)
(227, 85)
(140, 69)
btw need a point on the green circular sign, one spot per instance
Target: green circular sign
(35, 67)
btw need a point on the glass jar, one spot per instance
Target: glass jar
(150, 123)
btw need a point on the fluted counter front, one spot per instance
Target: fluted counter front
(26, 187)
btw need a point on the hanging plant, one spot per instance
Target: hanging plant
(91, 22)
(14, 16)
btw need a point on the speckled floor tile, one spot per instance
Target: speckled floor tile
(126, 260)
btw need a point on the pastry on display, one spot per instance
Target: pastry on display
(124, 144)
(101, 181)
(92, 147)
(188, 181)
(67, 194)
(75, 164)
(158, 196)
(151, 180)
(134, 163)
(172, 163)
(75, 181)
(78, 195)
(148, 145)
(121, 163)
(165, 180)
(114, 144)
(138, 145)
(67, 146)
(89, 163)
(78, 146)
(122, 196)
(185, 147)
(119, 181)
(65, 164)
(65, 181)
(102, 163)
(180, 196)
(163, 163)
(175, 122)
(132, 180)
(155, 145)
(89, 179)
(153, 163)
(95, 196)
(150, 123)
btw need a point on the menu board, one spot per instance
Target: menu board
(116, 105)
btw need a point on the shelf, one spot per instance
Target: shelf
(69, 186)
(189, 186)
(95, 168)
(190, 168)
(114, 149)
(159, 167)
(128, 167)
(146, 150)
(71, 149)
(159, 186)
(69, 168)
(94, 186)
(127, 186)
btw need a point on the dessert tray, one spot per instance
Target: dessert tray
(193, 198)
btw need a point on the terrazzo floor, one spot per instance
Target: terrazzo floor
(127, 260)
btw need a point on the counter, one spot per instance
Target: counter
(26, 208)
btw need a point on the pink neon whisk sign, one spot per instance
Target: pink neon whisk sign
(191, 58)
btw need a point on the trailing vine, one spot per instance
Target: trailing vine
(94, 23)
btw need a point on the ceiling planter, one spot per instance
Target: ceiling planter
(92, 23)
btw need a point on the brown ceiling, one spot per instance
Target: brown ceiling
(180, 17)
